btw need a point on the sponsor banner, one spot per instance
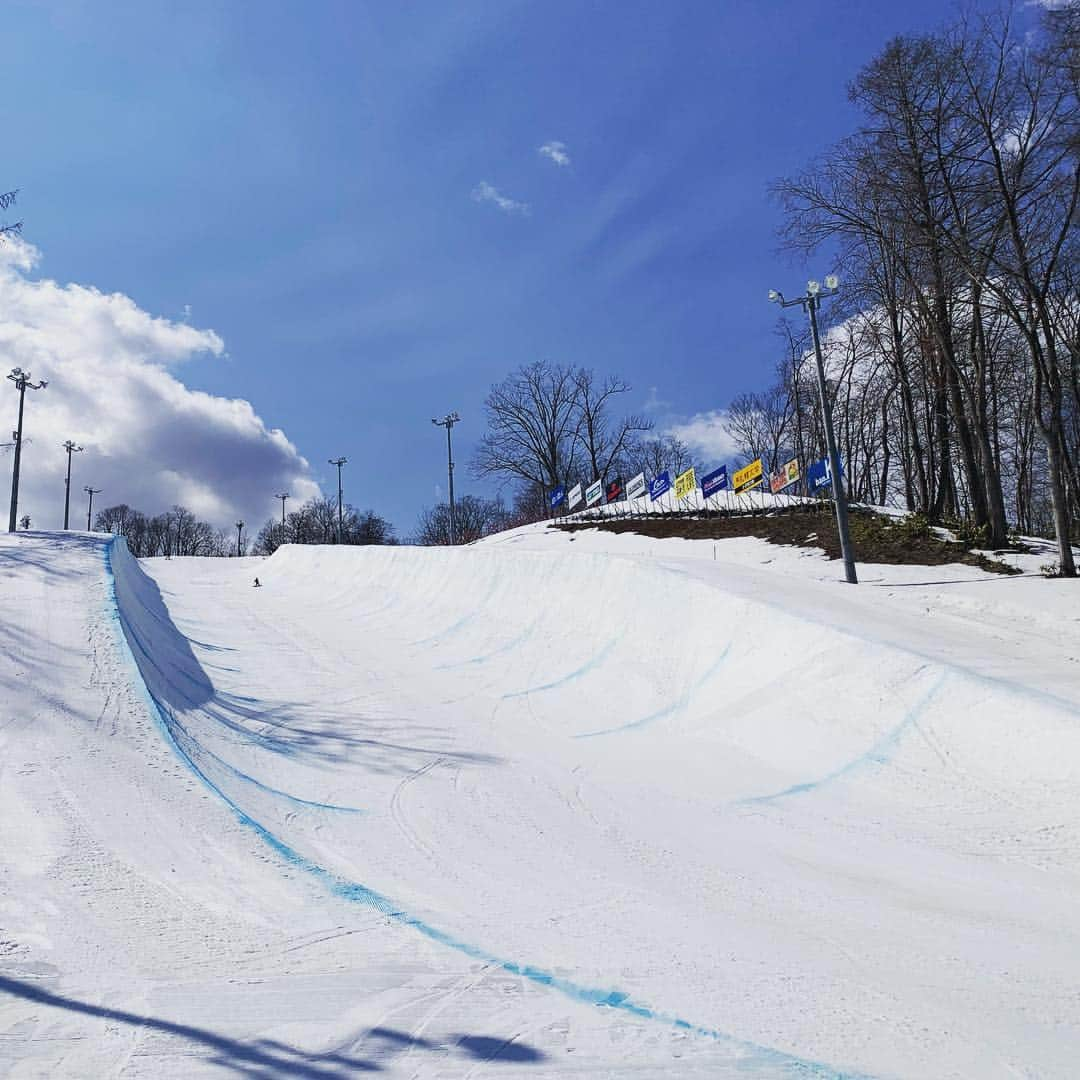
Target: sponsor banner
(685, 483)
(593, 492)
(558, 495)
(636, 487)
(574, 497)
(785, 476)
(714, 482)
(748, 477)
(658, 485)
(614, 490)
(819, 475)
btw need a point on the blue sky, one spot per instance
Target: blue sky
(304, 180)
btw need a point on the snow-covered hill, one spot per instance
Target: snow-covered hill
(600, 806)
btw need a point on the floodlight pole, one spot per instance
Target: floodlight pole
(338, 462)
(71, 448)
(810, 303)
(448, 422)
(22, 382)
(91, 491)
(239, 530)
(283, 496)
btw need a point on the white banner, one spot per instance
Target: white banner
(574, 497)
(593, 492)
(636, 487)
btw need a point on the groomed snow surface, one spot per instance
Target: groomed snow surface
(546, 806)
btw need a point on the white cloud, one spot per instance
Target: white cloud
(556, 151)
(150, 441)
(708, 435)
(485, 192)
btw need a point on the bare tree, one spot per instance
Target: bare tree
(653, 456)
(760, 424)
(7, 200)
(316, 522)
(532, 427)
(605, 441)
(953, 207)
(474, 518)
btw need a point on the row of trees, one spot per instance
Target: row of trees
(175, 532)
(953, 211)
(474, 517)
(316, 522)
(179, 532)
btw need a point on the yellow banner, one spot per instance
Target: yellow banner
(685, 483)
(747, 478)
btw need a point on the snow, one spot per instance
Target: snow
(554, 804)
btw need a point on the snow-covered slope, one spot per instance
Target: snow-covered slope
(597, 807)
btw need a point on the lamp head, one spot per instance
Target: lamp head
(774, 296)
(832, 282)
(813, 287)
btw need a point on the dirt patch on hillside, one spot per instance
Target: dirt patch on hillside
(876, 538)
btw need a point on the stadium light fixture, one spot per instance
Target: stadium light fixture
(91, 491)
(448, 422)
(810, 304)
(283, 496)
(338, 462)
(71, 448)
(22, 382)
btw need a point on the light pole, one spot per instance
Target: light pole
(239, 530)
(448, 422)
(22, 382)
(91, 491)
(283, 496)
(338, 462)
(810, 304)
(71, 448)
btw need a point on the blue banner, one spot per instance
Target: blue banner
(558, 495)
(714, 482)
(659, 484)
(819, 475)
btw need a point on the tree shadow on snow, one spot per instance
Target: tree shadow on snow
(180, 685)
(269, 1059)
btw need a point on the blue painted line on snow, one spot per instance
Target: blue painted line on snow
(668, 710)
(752, 1054)
(881, 753)
(585, 668)
(508, 647)
(465, 619)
